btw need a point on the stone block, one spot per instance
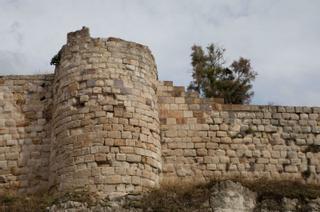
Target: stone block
(2, 122)
(186, 114)
(168, 167)
(202, 152)
(189, 152)
(12, 142)
(221, 134)
(179, 100)
(114, 134)
(84, 98)
(113, 179)
(136, 180)
(12, 156)
(101, 157)
(212, 145)
(3, 165)
(126, 135)
(217, 120)
(262, 160)
(266, 154)
(224, 159)
(270, 128)
(211, 159)
(211, 166)
(171, 121)
(10, 123)
(133, 158)
(97, 90)
(107, 170)
(291, 169)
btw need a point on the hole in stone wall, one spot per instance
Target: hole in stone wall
(13, 170)
(288, 142)
(3, 179)
(42, 98)
(111, 95)
(284, 166)
(252, 166)
(148, 102)
(47, 113)
(307, 173)
(103, 162)
(246, 131)
(78, 104)
(227, 167)
(313, 148)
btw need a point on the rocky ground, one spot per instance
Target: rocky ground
(216, 196)
(226, 196)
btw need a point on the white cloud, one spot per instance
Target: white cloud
(281, 37)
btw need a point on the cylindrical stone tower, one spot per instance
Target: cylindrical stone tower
(105, 135)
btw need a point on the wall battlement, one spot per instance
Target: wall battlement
(103, 122)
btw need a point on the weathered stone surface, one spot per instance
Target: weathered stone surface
(230, 196)
(226, 196)
(103, 113)
(237, 140)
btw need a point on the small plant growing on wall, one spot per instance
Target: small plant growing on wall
(56, 59)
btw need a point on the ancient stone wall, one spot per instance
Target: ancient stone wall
(202, 140)
(104, 123)
(105, 117)
(25, 115)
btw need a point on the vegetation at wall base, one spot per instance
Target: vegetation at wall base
(28, 203)
(12, 202)
(178, 196)
(187, 197)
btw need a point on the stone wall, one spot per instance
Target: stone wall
(103, 122)
(202, 139)
(24, 132)
(105, 118)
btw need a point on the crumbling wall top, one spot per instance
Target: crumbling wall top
(81, 34)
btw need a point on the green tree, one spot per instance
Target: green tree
(211, 78)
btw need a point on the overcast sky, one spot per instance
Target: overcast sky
(280, 37)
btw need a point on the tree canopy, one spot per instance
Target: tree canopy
(211, 78)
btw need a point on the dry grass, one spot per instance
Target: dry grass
(283, 188)
(189, 197)
(12, 202)
(172, 196)
(175, 198)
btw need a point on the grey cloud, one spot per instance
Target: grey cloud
(19, 63)
(12, 3)
(290, 90)
(15, 31)
(12, 63)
